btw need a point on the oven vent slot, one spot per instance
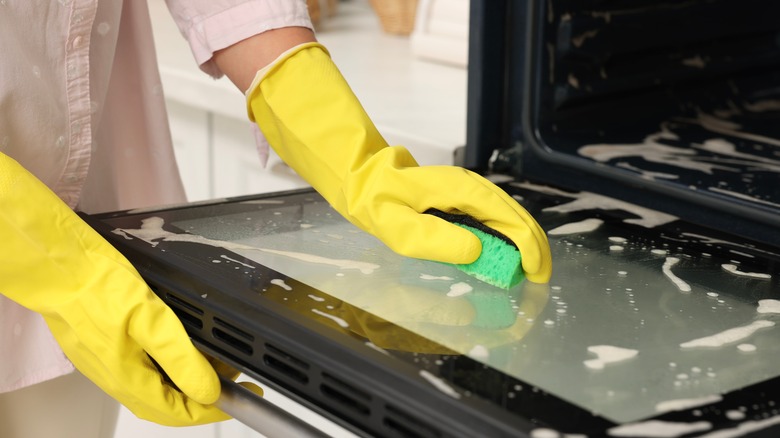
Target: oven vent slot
(286, 364)
(187, 313)
(345, 395)
(232, 341)
(278, 352)
(234, 330)
(404, 425)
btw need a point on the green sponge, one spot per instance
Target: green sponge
(499, 262)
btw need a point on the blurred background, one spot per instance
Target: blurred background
(405, 60)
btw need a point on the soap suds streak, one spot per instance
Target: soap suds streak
(768, 306)
(584, 226)
(439, 384)
(728, 267)
(236, 261)
(720, 146)
(686, 403)
(459, 289)
(363, 267)
(742, 196)
(652, 152)
(608, 354)
(744, 428)
(714, 241)
(655, 149)
(338, 320)
(651, 149)
(151, 230)
(279, 282)
(543, 432)
(377, 348)
(434, 277)
(646, 173)
(725, 127)
(479, 352)
(743, 254)
(760, 106)
(590, 201)
(658, 429)
(729, 336)
(735, 415)
(667, 270)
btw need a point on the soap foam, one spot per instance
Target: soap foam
(686, 403)
(363, 267)
(591, 201)
(236, 261)
(338, 320)
(440, 384)
(667, 270)
(151, 230)
(459, 289)
(279, 282)
(768, 306)
(584, 226)
(608, 354)
(728, 267)
(479, 352)
(729, 336)
(434, 277)
(744, 428)
(658, 429)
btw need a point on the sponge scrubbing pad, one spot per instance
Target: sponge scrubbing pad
(499, 262)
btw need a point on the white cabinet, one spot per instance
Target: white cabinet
(190, 130)
(218, 157)
(441, 31)
(237, 168)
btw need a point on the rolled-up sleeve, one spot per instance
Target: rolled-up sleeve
(211, 25)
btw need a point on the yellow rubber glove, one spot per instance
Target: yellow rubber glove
(98, 307)
(315, 123)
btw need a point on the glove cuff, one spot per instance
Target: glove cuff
(254, 87)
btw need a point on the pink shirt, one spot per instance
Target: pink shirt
(81, 107)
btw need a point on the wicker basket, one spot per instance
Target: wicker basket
(314, 11)
(396, 16)
(319, 9)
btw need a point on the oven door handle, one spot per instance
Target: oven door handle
(260, 414)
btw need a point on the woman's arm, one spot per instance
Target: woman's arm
(241, 61)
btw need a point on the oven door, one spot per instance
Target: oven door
(649, 322)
